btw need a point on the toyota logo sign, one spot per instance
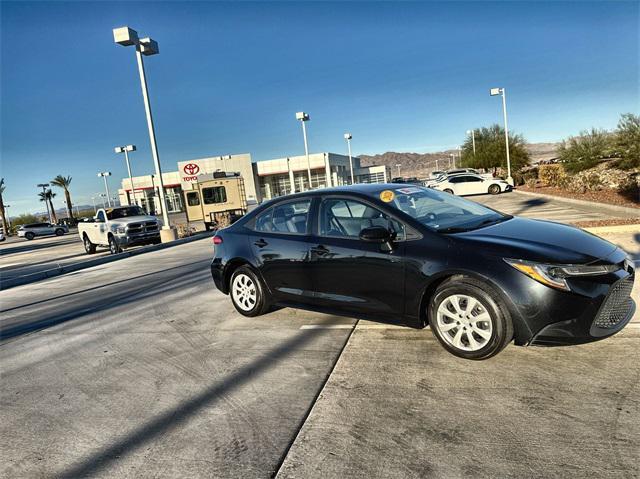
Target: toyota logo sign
(191, 169)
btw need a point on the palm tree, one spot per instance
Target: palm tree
(64, 182)
(47, 196)
(2, 210)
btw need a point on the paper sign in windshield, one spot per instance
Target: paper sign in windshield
(408, 191)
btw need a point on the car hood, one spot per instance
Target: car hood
(542, 241)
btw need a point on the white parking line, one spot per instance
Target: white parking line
(327, 326)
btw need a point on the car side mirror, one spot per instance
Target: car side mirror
(376, 234)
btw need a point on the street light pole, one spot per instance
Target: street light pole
(46, 201)
(348, 136)
(398, 166)
(473, 140)
(126, 36)
(303, 118)
(104, 175)
(501, 92)
(126, 149)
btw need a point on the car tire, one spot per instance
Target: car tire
(114, 247)
(248, 293)
(477, 333)
(448, 190)
(59, 232)
(494, 189)
(29, 235)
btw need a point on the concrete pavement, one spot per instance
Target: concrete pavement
(149, 372)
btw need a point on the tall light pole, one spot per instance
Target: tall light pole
(126, 149)
(452, 160)
(348, 136)
(473, 140)
(7, 227)
(104, 175)
(398, 165)
(126, 36)
(496, 92)
(44, 187)
(303, 118)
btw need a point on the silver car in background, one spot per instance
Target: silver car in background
(32, 230)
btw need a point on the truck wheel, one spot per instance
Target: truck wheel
(89, 247)
(29, 235)
(114, 247)
(59, 232)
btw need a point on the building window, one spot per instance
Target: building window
(193, 199)
(216, 194)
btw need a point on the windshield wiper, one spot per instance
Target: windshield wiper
(487, 222)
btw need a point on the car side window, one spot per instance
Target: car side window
(101, 216)
(291, 217)
(347, 218)
(457, 179)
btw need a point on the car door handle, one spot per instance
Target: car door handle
(260, 243)
(320, 250)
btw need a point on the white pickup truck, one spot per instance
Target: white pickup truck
(118, 228)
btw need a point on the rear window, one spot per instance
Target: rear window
(193, 199)
(291, 217)
(213, 195)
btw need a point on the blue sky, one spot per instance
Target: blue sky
(230, 77)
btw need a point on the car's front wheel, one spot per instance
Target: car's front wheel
(59, 232)
(469, 319)
(494, 189)
(247, 292)
(448, 190)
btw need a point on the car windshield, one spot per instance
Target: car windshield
(125, 212)
(442, 212)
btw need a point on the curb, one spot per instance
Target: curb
(598, 230)
(51, 273)
(591, 204)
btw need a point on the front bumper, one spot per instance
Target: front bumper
(603, 319)
(138, 239)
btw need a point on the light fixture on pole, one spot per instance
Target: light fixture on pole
(473, 140)
(303, 118)
(104, 175)
(126, 149)
(348, 137)
(126, 36)
(398, 165)
(501, 92)
(44, 187)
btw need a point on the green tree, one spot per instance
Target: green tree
(3, 213)
(64, 182)
(47, 196)
(626, 141)
(585, 150)
(491, 152)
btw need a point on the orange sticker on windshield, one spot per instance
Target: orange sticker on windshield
(387, 196)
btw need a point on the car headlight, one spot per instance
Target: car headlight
(555, 275)
(118, 229)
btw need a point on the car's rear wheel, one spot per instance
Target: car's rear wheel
(59, 232)
(494, 189)
(114, 247)
(247, 292)
(29, 235)
(469, 319)
(448, 190)
(89, 247)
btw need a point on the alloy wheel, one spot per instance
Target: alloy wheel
(464, 322)
(244, 292)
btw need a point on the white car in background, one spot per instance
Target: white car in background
(32, 230)
(470, 184)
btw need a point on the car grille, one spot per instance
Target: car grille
(146, 227)
(616, 305)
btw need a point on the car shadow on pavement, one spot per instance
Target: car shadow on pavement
(97, 462)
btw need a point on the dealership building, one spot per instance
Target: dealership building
(263, 180)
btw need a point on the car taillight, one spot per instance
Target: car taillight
(217, 240)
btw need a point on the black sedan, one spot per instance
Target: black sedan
(411, 255)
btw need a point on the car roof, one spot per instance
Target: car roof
(363, 188)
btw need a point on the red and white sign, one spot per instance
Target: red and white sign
(191, 169)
